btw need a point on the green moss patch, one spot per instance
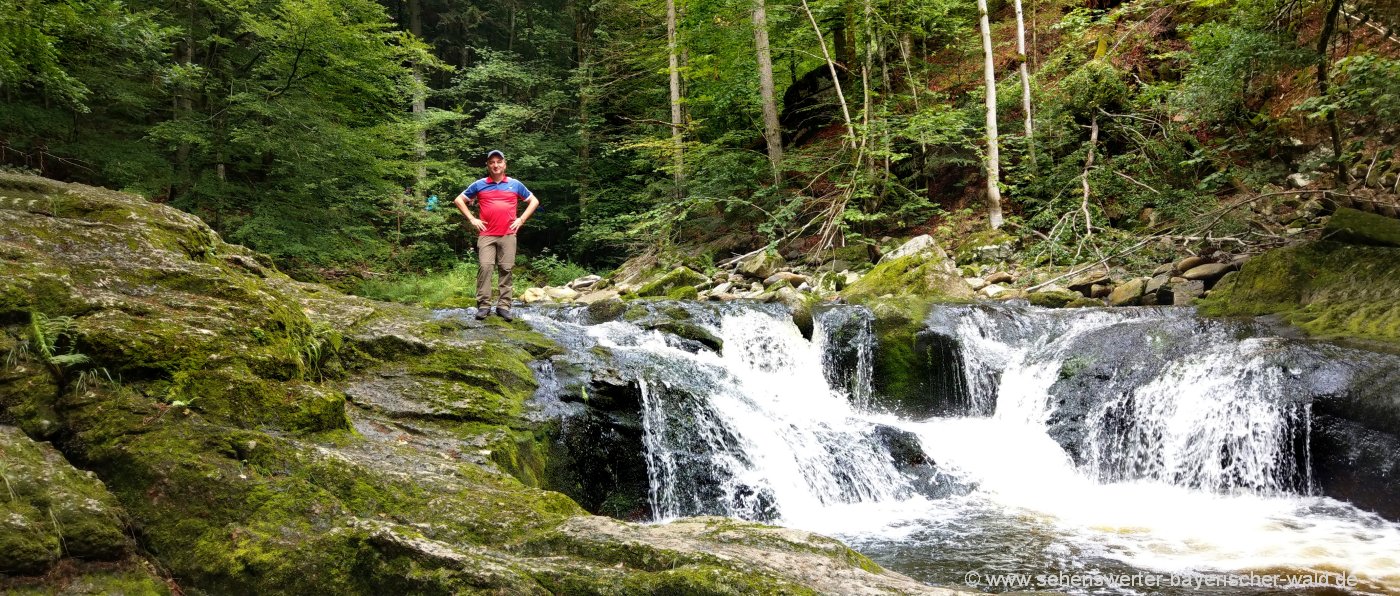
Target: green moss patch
(917, 275)
(1325, 288)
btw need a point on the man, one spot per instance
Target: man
(498, 197)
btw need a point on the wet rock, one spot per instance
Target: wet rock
(992, 290)
(977, 283)
(1164, 269)
(1100, 291)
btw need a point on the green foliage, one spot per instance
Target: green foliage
(1233, 65)
(548, 269)
(453, 288)
(1095, 87)
(1365, 91)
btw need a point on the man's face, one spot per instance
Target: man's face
(496, 166)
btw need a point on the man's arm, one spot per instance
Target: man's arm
(461, 202)
(529, 210)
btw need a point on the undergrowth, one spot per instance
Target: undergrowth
(456, 287)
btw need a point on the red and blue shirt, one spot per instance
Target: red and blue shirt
(498, 202)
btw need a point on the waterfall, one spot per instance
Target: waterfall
(1116, 440)
(1218, 421)
(754, 432)
(845, 337)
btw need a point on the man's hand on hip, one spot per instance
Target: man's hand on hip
(478, 224)
(515, 225)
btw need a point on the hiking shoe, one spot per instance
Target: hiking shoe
(504, 314)
(482, 313)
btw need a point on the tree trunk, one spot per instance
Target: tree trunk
(1025, 83)
(771, 133)
(993, 153)
(184, 107)
(1324, 61)
(583, 43)
(835, 76)
(420, 106)
(674, 68)
(1084, 176)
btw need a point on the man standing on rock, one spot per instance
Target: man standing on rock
(499, 197)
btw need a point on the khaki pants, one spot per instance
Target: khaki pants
(493, 252)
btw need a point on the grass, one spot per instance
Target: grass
(456, 287)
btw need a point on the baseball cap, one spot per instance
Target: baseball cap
(495, 153)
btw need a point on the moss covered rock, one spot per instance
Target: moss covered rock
(920, 275)
(673, 280)
(1328, 289)
(221, 428)
(50, 510)
(1359, 227)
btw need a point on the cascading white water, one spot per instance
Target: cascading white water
(1217, 421)
(845, 337)
(754, 432)
(1190, 459)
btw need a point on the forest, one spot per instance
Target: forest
(333, 134)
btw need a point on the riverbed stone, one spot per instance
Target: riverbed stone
(1208, 271)
(1128, 293)
(999, 277)
(760, 265)
(1188, 263)
(1186, 291)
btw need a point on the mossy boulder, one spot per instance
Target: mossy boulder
(900, 293)
(675, 279)
(921, 275)
(51, 510)
(1358, 227)
(986, 246)
(1053, 298)
(215, 413)
(1328, 289)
